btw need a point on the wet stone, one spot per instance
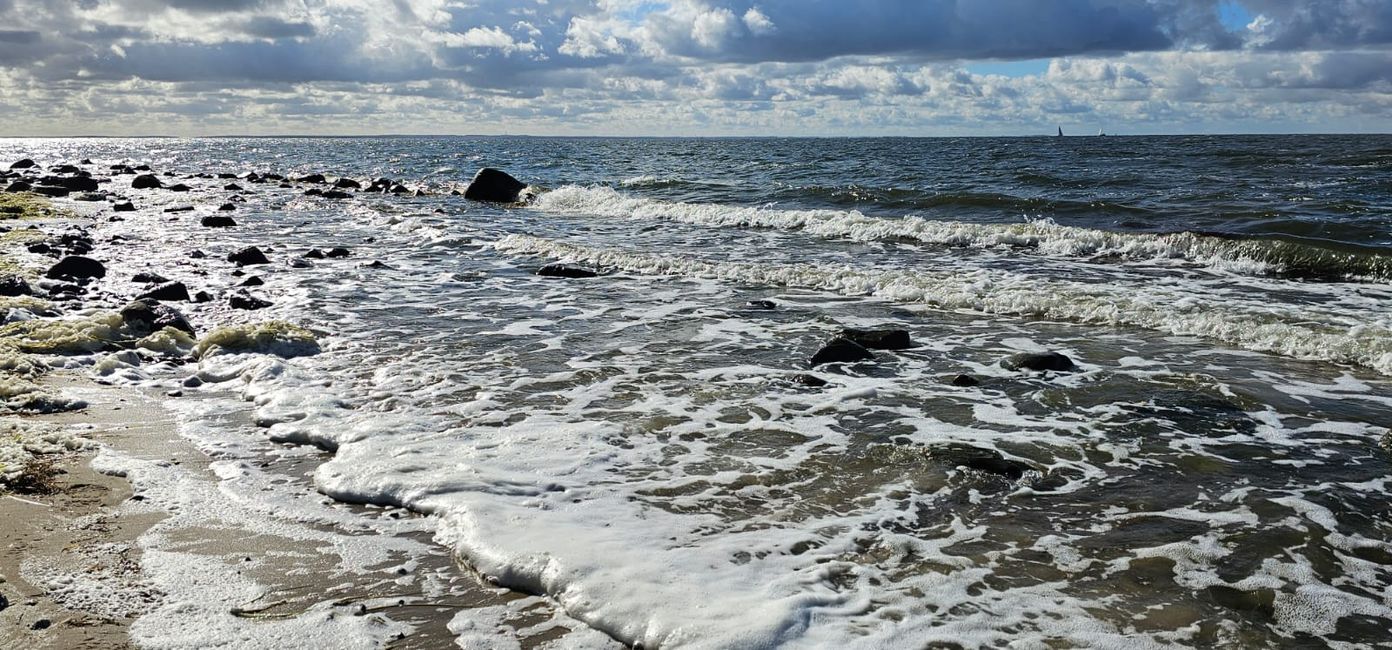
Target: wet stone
(840, 350)
(1038, 361)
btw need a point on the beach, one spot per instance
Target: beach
(697, 393)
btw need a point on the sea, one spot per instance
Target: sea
(639, 451)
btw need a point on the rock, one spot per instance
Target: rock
(41, 624)
(272, 177)
(178, 187)
(198, 255)
(76, 266)
(146, 277)
(300, 264)
(72, 183)
(242, 301)
(166, 291)
(809, 380)
(376, 264)
(217, 221)
(182, 208)
(762, 305)
(50, 190)
(90, 197)
(495, 186)
(347, 184)
(202, 296)
(123, 207)
(314, 191)
(336, 194)
(965, 381)
(840, 350)
(146, 315)
(192, 381)
(337, 252)
(232, 187)
(889, 339)
(1038, 361)
(146, 182)
(14, 285)
(248, 256)
(24, 163)
(141, 168)
(314, 254)
(398, 189)
(309, 178)
(226, 175)
(981, 460)
(253, 281)
(39, 248)
(565, 271)
(19, 186)
(227, 207)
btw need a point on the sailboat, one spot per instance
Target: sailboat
(1060, 132)
(1099, 132)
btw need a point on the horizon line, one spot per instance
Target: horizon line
(687, 137)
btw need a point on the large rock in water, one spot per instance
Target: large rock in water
(248, 256)
(146, 182)
(23, 164)
(565, 271)
(76, 266)
(1038, 361)
(840, 350)
(494, 185)
(146, 315)
(879, 339)
(166, 291)
(73, 183)
(14, 285)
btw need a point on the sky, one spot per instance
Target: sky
(694, 67)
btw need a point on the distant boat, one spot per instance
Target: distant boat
(1100, 133)
(1060, 132)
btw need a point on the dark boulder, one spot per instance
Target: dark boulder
(202, 296)
(90, 197)
(217, 221)
(146, 182)
(227, 207)
(146, 277)
(761, 305)
(495, 186)
(1038, 361)
(145, 316)
(50, 190)
(300, 264)
(314, 191)
(840, 350)
(123, 207)
(565, 271)
(226, 175)
(141, 168)
(336, 194)
(314, 254)
(178, 187)
(166, 291)
(253, 281)
(347, 184)
(19, 186)
(248, 256)
(76, 266)
(337, 251)
(197, 254)
(232, 187)
(72, 183)
(376, 264)
(39, 248)
(65, 169)
(965, 381)
(243, 301)
(398, 189)
(309, 178)
(14, 285)
(879, 339)
(25, 163)
(182, 208)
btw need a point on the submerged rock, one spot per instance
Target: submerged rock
(19, 186)
(1038, 361)
(809, 380)
(337, 251)
(314, 254)
(24, 163)
(965, 381)
(347, 184)
(178, 187)
(76, 266)
(565, 271)
(761, 305)
(309, 178)
(248, 256)
(125, 206)
(146, 182)
(981, 460)
(147, 315)
(166, 291)
(495, 186)
(336, 194)
(840, 350)
(147, 277)
(887, 339)
(218, 221)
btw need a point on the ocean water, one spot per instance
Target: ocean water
(633, 447)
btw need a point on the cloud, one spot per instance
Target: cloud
(718, 65)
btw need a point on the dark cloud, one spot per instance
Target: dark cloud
(1321, 24)
(274, 28)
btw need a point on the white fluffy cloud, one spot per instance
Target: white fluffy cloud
(690, 66)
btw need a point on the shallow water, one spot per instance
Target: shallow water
(634, 447)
